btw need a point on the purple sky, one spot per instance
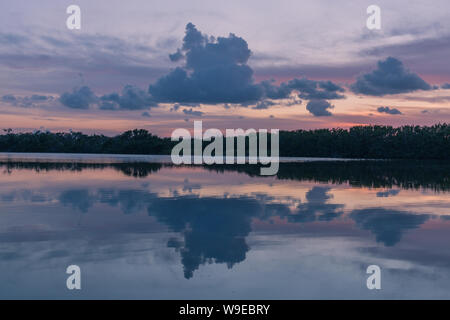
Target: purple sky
(123, 47)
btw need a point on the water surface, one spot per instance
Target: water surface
(152, 230)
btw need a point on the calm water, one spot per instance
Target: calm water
(159, 231)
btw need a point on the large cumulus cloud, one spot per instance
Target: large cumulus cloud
(216, 71)
(390, 77)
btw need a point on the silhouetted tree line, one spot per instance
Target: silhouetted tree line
(130, 142)
(367, 142)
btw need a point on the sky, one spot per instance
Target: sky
(160, 65)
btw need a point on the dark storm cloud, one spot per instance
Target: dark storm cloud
(388, 110)
(216, 71)
(390, 77)
(319, 108)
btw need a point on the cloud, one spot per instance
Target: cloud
(49, 62)
(193, 113)
(79, 98)
(390, 77)
(307, 89)
(311, 89)
(216, 71)
(319, 108)
(265, 104)
(446, 86)
(25, 102)
(175, 107)
(388, 110)
(146, 114)
(132, 98)
(434, 61)
(9, 98)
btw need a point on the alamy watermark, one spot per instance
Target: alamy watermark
(374, 280)
(235, 153)
(73, 22)
(374, 20)
(74, 280)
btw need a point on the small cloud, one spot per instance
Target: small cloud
(293, 102)
(388, 110)
(262, 105)
(80, 98)
(446, 86)
(390, 77)
(132, 98)
(306, 88)
(25, 102)
(37, 97)
(9, 98)
(319, 108)
(145, 114)
(175, 107)
(193, 113)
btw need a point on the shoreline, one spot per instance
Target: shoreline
(132, 158)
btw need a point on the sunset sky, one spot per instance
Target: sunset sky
(160, 65)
